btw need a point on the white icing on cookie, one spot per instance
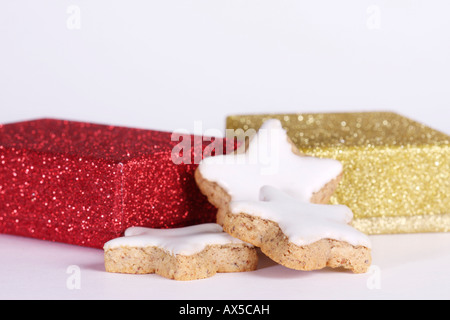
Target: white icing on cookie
(269, 160)
(303, 223)
(184, 241)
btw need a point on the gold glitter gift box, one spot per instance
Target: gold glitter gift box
(396, 170)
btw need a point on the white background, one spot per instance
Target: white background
(165, 64)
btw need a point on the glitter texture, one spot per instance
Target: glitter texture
(84, 184)
(397, 171)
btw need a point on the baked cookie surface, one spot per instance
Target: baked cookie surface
(299, 235)
(188, 253)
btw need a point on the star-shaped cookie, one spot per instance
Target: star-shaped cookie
(269, 159)
(188, 253)
(298, 234)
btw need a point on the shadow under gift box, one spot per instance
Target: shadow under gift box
(84, 184)
(396, 170)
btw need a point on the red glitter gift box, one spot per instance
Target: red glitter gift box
(84, 184)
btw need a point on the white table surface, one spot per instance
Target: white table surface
(406, 267)
(166, 64)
